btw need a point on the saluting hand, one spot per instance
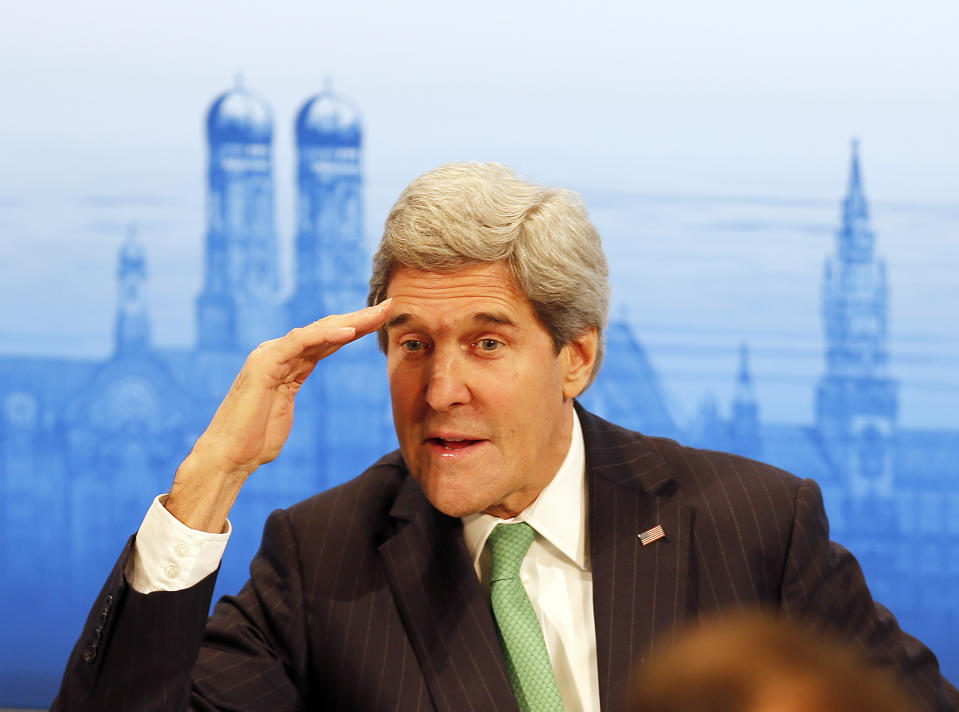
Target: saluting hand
(253, 422)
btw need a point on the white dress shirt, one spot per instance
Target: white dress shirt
(169, 556)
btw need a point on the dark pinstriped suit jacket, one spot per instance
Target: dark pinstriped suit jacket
(364, 597)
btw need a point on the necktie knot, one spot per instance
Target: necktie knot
(508, 546)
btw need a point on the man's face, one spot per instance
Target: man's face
(482, 402)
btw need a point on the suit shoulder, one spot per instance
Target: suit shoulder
(694, 472)
(727, 485)
(684, 458)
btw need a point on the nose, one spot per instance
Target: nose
(446, 385)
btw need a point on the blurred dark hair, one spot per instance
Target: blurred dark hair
(761, 663)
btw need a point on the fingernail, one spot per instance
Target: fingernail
(385, 303)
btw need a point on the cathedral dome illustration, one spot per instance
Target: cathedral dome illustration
(239, 116)
(328, 119)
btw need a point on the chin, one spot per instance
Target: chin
(453, 504)
(454, 508)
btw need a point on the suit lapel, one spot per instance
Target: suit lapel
(443, 607)
(639, 592)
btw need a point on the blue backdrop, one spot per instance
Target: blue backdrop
(158, 224)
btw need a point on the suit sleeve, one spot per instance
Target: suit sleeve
(822, 581)
(254, 654)
(136, 650)
(158, 651)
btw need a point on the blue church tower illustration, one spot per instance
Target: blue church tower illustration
(347, 420)
(742, 432)
(744, 428)
(132, 329)
(237, 308)
(856, 401)
(331, 263)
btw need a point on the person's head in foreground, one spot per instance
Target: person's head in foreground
(761, 663)
(500, 296)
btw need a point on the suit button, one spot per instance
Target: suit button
(171, 571)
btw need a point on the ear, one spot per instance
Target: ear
(578, 357)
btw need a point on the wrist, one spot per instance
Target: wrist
(203, 492)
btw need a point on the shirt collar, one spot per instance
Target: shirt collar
(561, 503)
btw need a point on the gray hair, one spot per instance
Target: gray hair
(465, 213)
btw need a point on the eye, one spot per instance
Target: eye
(413, 345)
(488, 344)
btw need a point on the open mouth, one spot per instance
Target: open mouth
(453, 443)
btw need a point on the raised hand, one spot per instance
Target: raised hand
(253, 422)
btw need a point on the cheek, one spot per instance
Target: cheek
(396, 394)
(404, 383)
(400, 376)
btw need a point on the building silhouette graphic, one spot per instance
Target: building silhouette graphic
(890, 492)
(237, 308)
(85, 443)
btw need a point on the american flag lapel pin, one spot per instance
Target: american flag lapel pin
(650, 535)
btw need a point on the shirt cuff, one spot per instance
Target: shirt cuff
(169, 556)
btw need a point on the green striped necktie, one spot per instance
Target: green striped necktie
(527, 661)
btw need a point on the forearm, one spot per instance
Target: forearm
(203, 492)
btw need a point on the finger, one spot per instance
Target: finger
(331, 328)
(324, 336)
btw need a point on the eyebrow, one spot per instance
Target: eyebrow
(397, 320)
(482, 317)
(493, 318)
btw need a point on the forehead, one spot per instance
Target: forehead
(482, 287)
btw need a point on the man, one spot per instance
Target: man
(490, 296)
